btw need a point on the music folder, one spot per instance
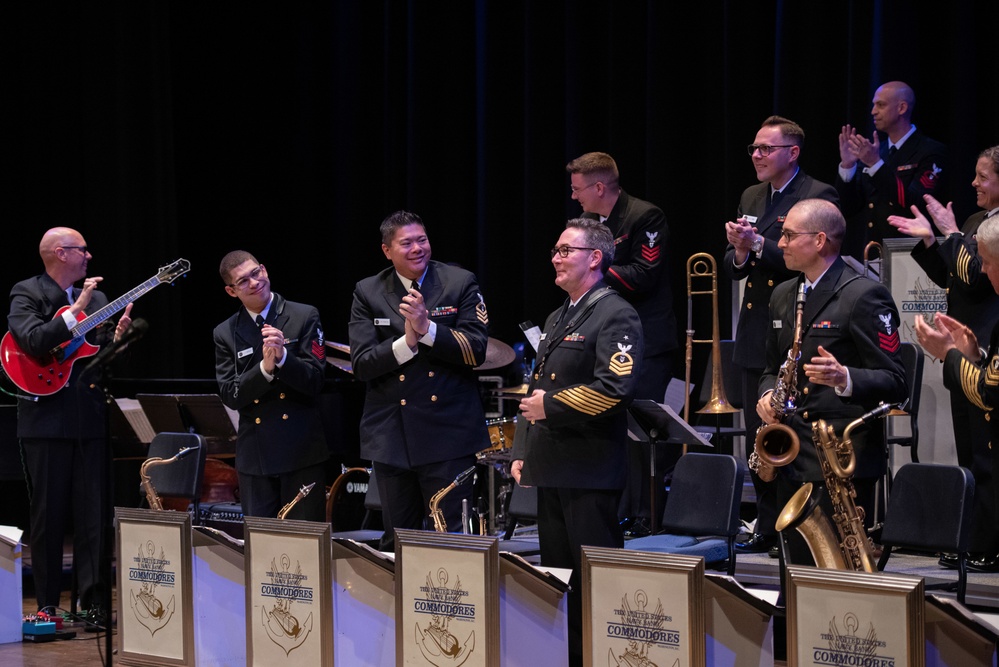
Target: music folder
(655, 422)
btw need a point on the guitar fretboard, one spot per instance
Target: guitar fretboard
(91, 321)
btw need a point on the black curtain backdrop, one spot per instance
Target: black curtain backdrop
(188, 129)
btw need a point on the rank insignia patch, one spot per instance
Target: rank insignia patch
(992, 372)
(318, 346)
(480, 310)
(621, 362)
(888, 340)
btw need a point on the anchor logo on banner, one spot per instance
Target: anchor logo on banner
(282, 626)
(150, 571)
(437, 644)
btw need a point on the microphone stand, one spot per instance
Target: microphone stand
(103, 359)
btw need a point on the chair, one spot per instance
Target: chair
(372, 505)
(180, 480)
(523, 507)
(702, 510)
(930, 510)
(912, 359)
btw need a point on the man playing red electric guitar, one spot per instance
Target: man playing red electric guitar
(63, 435)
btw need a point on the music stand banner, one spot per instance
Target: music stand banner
(642, 608)
(289, 595)
(447, 599)
(155, 610)
(837, 617)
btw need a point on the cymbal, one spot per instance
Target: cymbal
(498, 354)
(339, 347)
(342, 364)
(516, 391)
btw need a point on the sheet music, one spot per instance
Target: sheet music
(137, 419)
(233, 417)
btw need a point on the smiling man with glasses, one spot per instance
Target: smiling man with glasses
(270, 363)
(639, 273)
(753, 256)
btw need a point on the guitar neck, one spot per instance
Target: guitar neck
(92, 321)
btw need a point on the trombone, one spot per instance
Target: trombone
(700, 267)
(871, 245)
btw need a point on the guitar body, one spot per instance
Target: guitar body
(44, 377)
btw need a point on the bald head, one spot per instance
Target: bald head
(64, 254)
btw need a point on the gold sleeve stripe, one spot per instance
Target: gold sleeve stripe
(963, 260)
(466, 348)
(970, 373)
(586, 400)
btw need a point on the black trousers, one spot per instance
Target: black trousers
(568, 519)
(767, 506)
(68, 481)
(266, 495)
(405, 494)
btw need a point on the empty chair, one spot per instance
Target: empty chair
(702, 510)
(373, 507)
(929, 509)
(912, 360)
(180, 479)
(523, 507)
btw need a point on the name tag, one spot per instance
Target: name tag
(778, 324)
(244, 353)
(751, 219)
(543, 336)
(381, 321)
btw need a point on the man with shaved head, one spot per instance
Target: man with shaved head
(63, 435)
(889, 172)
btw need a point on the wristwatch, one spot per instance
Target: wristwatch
(757, 247)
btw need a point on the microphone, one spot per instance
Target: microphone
(110, 352)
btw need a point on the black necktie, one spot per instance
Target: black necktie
(891, 152)
(774, 196)
(260, 321)
(416, 286)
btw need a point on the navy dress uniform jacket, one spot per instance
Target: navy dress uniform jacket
(588, 364)
(856, 320)
(764, 273)
(280, 428)
(428, 409)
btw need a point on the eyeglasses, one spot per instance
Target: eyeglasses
(575, 190)
(81, 248)
(245, 280)
(765, 149)
(789, 235)
(564, 250)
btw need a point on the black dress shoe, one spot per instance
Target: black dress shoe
(756, 544)
(948, 561)
(774, 551)
(988, 563)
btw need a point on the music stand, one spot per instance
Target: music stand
(659, 423)
(203, 414)
(209, 418)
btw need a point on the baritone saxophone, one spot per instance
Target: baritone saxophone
(436, 513)
(852, 549)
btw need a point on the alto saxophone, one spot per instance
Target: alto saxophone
(440, 525)
(853, 549)
(777, 444)
(147, 484)
(302, 492)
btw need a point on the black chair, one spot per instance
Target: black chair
(930, 510)
(366, 534)
(912, 359)
(702, 510)
(180, 479)
(523, 509)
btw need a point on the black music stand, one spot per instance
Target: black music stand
(203, 414)
(659, 424)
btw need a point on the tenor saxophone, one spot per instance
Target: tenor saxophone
(440, 525)
(147, 484)
(302, 492)
(777, 444)
(853, 550)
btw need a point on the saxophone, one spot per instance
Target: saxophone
(302, 492)
(853, 549)
(440, 525)
(777, 444)
(147, 484)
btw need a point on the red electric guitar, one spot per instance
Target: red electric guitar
(43, 377)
